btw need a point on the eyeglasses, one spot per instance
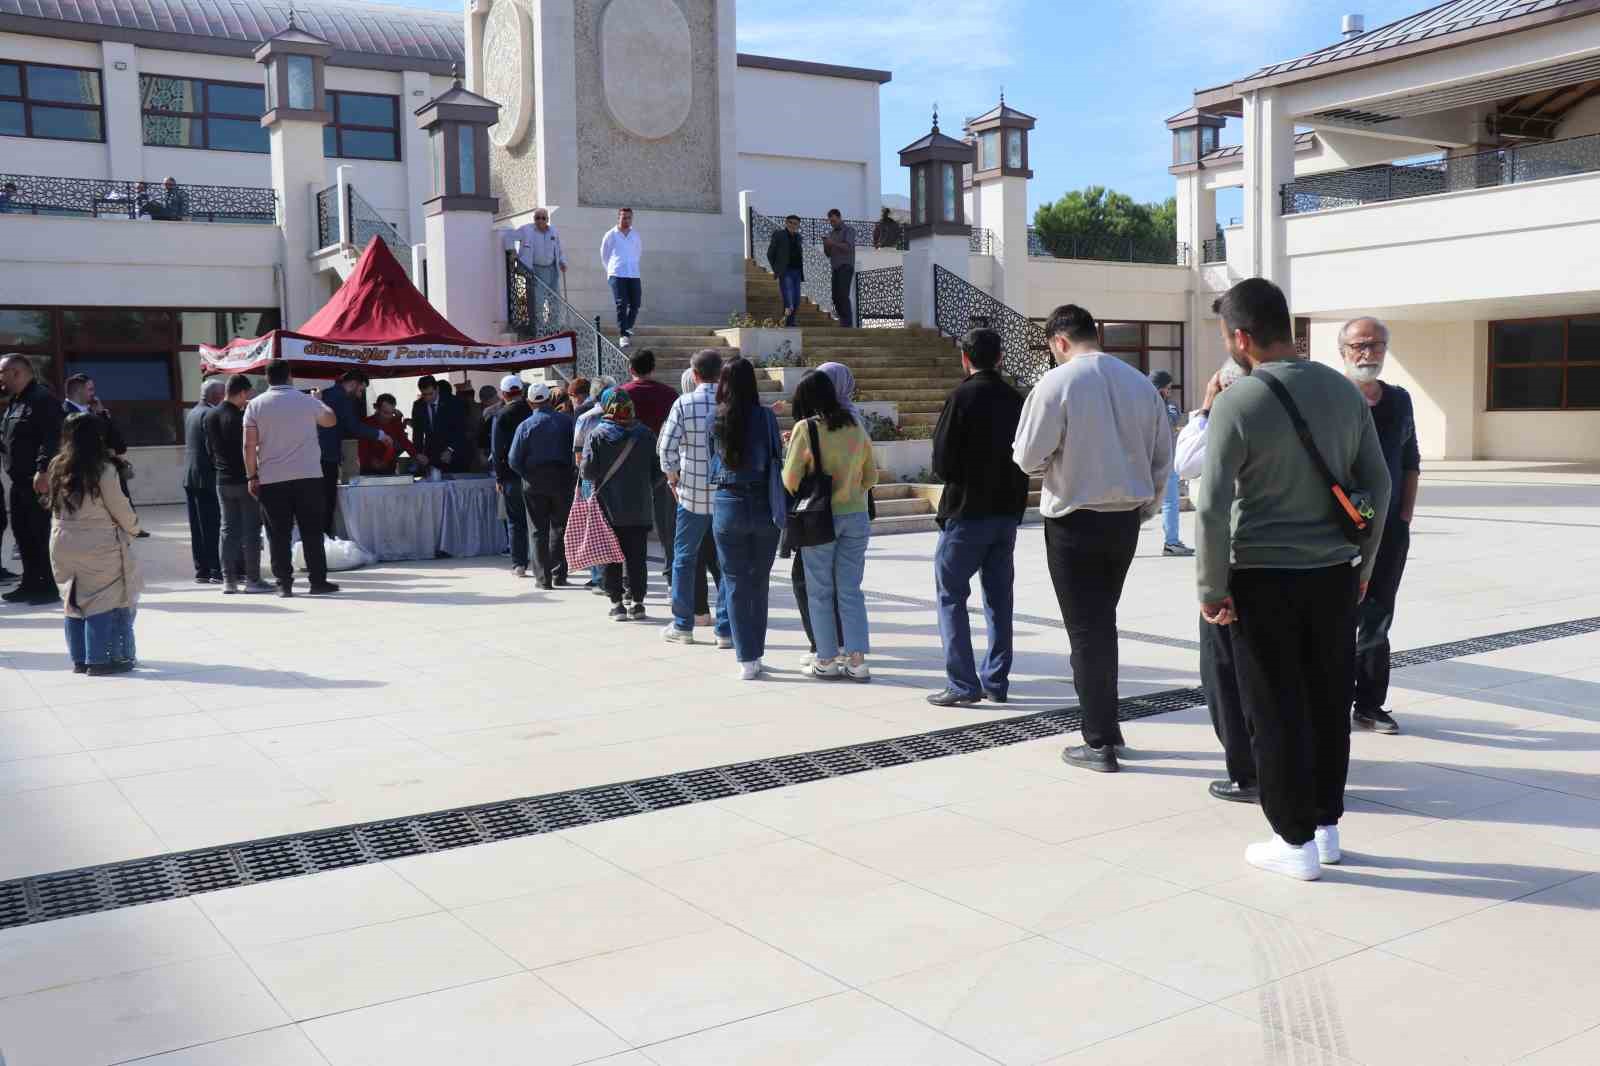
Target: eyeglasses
(1368, 347)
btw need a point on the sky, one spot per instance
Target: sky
(1101, 76)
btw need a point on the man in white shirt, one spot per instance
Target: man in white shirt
(620, 251)
(1099, 432)
(539, 248)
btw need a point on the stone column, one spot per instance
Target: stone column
(923, 253)
(298, 171)
(1268, 164)
(124, 123)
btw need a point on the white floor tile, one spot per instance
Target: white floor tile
(74, 825)
(461, 877)
(643, 841)
(926, 842)
(313, 905)
(284, 1046)
(1201, 1037)
(787, 874)
(64, 952)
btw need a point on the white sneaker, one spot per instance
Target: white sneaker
(859, 672)
(623, 341)
(751, 670)
(807, 659)
(827, 671)
(673, 635)
(1327, 842)
(1280, 857)
(724, 642)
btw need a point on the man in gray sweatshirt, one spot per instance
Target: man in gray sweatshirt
(1099, 432)
(1274, 564)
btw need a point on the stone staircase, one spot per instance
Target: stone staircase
(910, 508)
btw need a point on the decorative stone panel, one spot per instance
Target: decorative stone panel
(507, 65)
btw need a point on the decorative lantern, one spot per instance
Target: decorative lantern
(457, 123)
(294, 61)
(936, 163)
(1001, 137)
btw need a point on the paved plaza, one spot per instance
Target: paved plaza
(990, 907)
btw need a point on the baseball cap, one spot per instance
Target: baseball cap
(511, 383)
(538, 392)
(1161, 379)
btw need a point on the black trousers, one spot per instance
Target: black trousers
(634, 542)
(843, 285)
(1088, 554)
(205, 531)
(30, 525)
(1221, 687)
(797, 576)
(516, 504)
(330, 496)
(284, 505)
(1294, 655)
(1376, 615)
(548, 513)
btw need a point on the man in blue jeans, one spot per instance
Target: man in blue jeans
(1171, 540)
(985, 494)
(621, 252)
(685, 452)
(786, 257)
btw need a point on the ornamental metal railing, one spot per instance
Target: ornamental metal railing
(881, 298)
(1512, 165)
(328, 217)
(34, 194)
(1215, 250)
(534, 309)
(960, 306)
(1108, 249)
(366, 223)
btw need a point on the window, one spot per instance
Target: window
(1014, 149)
(989, 150)
(1544, 364)
(919, 200)
(365, 126)
(949, 193)
(302, 84)
(468, 175)
(1148, 347)
(1183, 147)
(60, 103)
(193, 113)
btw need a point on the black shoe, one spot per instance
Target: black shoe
(80, 668)
(202, 579)
(116, 666)
(42, 599)
(17, 595)
(949, 697)
(142, 534)
(547, 584)
(216, 579)
(1102, 760)
(636, 612)
(1227, 790)
(327, 588)
(6, 576)
(285, 591)
(561, 581)
(996, 697)
(618, 613)
(1378, 721)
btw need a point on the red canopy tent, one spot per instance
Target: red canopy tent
(379, 323)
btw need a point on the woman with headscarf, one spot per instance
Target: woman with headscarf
(619, 458)
(834, 571)
(92, 529)
(844, 389)
(585, 425)
(745, 447)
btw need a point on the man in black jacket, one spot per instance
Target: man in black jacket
(29, 436)
(439, 426)
(785, 257)
(200, 487)
(510, 412)
(82, 400)
(340, 398)
(984, 497)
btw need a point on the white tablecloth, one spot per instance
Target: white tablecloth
(419, 520)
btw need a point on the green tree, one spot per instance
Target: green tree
(1084, 221)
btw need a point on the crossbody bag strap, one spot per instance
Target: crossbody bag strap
(618, 464)
(1300, 427)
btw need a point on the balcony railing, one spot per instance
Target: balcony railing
(32, 194)
(1215, 250)
(1481, 170)
(533, 309)
(1108, 249)
(960, 306)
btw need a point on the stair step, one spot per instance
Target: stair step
(891, 508)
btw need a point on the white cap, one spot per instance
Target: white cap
(538, 392)
(511, 383)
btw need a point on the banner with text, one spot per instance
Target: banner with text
(319, 358)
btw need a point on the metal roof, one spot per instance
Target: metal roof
(354, 28)
(1451, 17)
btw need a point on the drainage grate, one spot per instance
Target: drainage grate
(47, 897)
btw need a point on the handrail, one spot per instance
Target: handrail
(1214, 250)
(365, 223)
(818, 282)
(960, 306)
(328, 217)
(534, 309)
(38, 194)
(881, 297)
(1106, 248)
(1513, 165)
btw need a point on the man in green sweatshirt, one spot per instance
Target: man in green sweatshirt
(1273, 562)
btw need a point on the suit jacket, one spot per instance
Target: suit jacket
(449, 430)
(199, 468)
(113, 436)
(972, 451)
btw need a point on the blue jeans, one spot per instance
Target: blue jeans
(627, 292)
(833, 575)
(747, 542)
(1169, 510)
(101, 638)
(687, 536)
(982, 546)
(789, 289)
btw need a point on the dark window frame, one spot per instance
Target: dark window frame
(203, 116)
(28, 103)
(1564, 364)
(58, 351)
(338, 127)
(1144, 348)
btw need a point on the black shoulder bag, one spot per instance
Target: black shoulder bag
(811, 515)
(1353, 508)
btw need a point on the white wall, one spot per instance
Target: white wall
(1116, 291)
(807, 143)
